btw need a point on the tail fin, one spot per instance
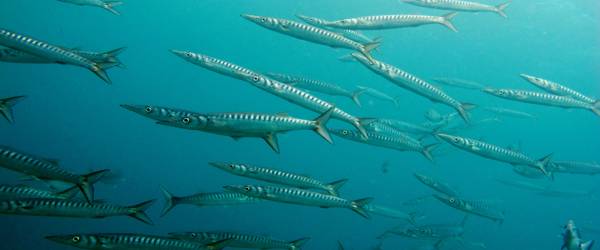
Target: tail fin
(6, 105)
(447, 21)
(596, 108)
(356, 94)
(87, 183)
(588, 245)
(320, 123)
(138, 212)
(110, 6)
(113, 56)
(427, 151)
(358, 206)
(463, 111)
(544, 164)
(360, 125)
(100, 71)
(334, 187)
(297, 244)
(68, 193)
(170, 201)
(272, 141)
(500, 9)
(367, 48)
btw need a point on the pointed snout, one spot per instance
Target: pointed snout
(252, 18)
(133, 108)
(219, 165)
(489, 90)
(61, 239)
(445, 137)
(527, 77)
(179, 53)
(232, 188)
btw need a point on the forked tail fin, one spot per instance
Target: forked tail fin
(6, 106)
(596, 108)
(356, 94)
(334, 187)
(447, 21)
(170, 201)
(358, 206)
(109, 5)
(463, 111)
(427, 151)
(87, 183)
(138, 212)
(320, 123)
(297, 244)
(500, 9)
(367, 48)
(545, 163)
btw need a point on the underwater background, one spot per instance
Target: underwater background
(71, 115)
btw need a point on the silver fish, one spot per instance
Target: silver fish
(51, 52)
(414, 84)
(459, 5)
(240, 240)
(8, 192)
(45, 169)
(460, 83)
(104, 4)
(311, 34)
(573, 167)
(392, 22)
(205, 199)
(572, 240)
(318, 86)
(239, 125)
(472, 207)
(497, 153)
(73, 208)
(282, 90)
(436, 184)
(392, 213)
(6, 107)
(557, 89)
(408, 127)
(132, 241)
(379, 95)
(301, 197)
(544, 99)
(350, 34)
(509, 112)
(280, 177)
(17, 56)
(430, 232)
(397, 142)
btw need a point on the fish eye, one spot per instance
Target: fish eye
(186, 120)
(76, 238)
(255, 78)
(456, 140)
(194, 235)
(345, 132)
(148, 109)
(264, 20)
(188, 54)
(452, 200)
(231, 166)
(247, 188)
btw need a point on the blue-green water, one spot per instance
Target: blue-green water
(73, 116)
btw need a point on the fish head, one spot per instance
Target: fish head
(195, 58)
(311, 20)
(423, 178)
(497, 92)
(539, 82)
(454, 140)
(248, 190)
(346, 133)
(75, 240)
(448, 200)
(268, 22)
(231, 167)
(152, 112)
(187, 121)
(279, 77)
(417, 2)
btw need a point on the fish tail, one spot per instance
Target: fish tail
(500, 9)
(170, 201)
(320, 123)
(6, 106)
(334, 187)
(358, 206)
(463, 111)
(113, 56)
(87, 183)
(545, 163)
(596, 108)
(427, 151)
(100, 70)
(297, 244)
(447, 21)
(356, 94)
(138, 212)
(68, 193)
(588, 245)
(367, 48)
(109, 5)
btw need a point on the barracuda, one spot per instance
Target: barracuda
(497, 153)
(436, 184)
(459, 83)
(458, 5)
(431, 231)
(8, 192)
(391, 213)
(509, 112)
(311, 34)
(557, 89)
(48, 170)
(318, 86)
(544, 99)
(53, 53)
(108, 57)
(379, 95)
(6, 107)
(104, 4)
(280, 177)
(472, 207)
(573, 167)
(414, 84)
(287, 92)
(572, 240)
(132, 241)
(205, 199)
(302, 197)
(401, 143)
(73, 208)
(408, 127)
(392, 22)
(350, 34)
(239, 240)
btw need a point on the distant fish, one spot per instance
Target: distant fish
(392, 22)
(408, 127)
(509, 112)
(318, 86)
(302, 197)
(557, 89)
(6, 107)
(573, 167)
(280, 177)
(240, 240)
(472, 207)
(459, 5)
(392, 213)
(544, 99)
(414, 84)
(379, 95)
(497, 153)
(104, 4)
(17, 56)
(312, 34)
(48, 170)
(285, 91)
(53, 53)
(404, 143)
(340, 245)
(459, 83)
(572, 240)
(239, 125)
(132, 241)
(205, 199)
(350, 34)
(73, 208)
(436, 184)
(436, 232)
(14, 192)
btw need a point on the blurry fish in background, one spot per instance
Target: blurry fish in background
(379, 95)
(13, 192)
(408, 127)
(132, 241)
(350, 34)
(205, 199)
(574, 167)
(393, 213)
(439, 233)
(548, 190)
(391, 22)
(557, 89)
(6, 107)
(104, 4)
(436, 184)
(572, 240)
(241, 240)
(479, 208)
(509, 112)
(340, 245)
(108, 57)
(459, 5)
(458, 83)
(385, 167)
(418, 201)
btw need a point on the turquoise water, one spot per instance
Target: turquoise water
(73, 116)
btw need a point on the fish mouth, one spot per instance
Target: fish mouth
(253, 18)
(180, 53)
(231, 188)
(219, 165)
(133, 108)
(62, 239)
(526, 77)
(489, 90)
(444, 137)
